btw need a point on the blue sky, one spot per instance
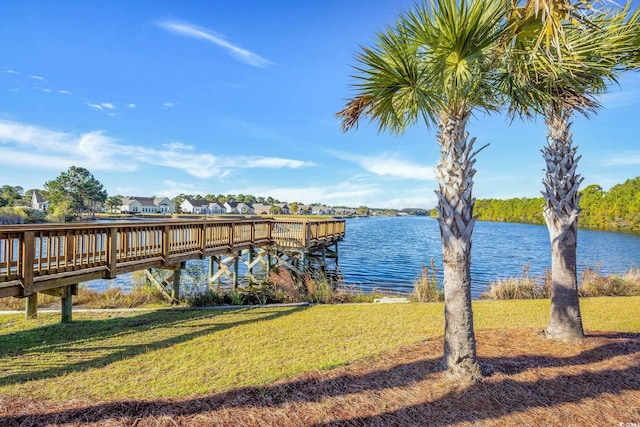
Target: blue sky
(161, 98)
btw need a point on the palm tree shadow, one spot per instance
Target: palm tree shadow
(121, 326)
(624, 344)
(506, 396)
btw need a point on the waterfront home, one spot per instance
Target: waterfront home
(261, 209)
(238, 208)
(136, 204)
(202, 206)
(38, 202)
(216, 208)
(320, 210)
(304, 210)
(194, 206)
(283, 208)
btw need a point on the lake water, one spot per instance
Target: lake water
(388, 253)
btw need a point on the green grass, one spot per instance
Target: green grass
(184, 353)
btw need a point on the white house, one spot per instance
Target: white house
(38, 202)
(195, 206)
(216, 208)
(202, 207)
(238, 208)
(135, 204)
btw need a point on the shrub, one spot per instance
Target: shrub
(425, 287)
(286, 287)
(594, 284)
(523, 287)
(208, 298)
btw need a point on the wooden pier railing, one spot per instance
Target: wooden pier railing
(36, 258)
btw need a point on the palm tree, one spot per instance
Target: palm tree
(437, 63)
(557, 83)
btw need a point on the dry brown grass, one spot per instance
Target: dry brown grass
(595, 284)
(530, 381)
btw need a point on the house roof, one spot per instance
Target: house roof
(261, 208)
(38, 197)
(145, 201)
(199, 203)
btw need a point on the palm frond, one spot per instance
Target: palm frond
(538, 81)
(438, 58)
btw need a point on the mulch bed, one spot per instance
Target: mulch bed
(529, 381)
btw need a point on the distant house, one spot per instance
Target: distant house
(304, 210)
(202, 207)
(320, 210)
(261, 209)
(216, 208)
(345, 211)
(238, 208)
(38, 202)
(195, 206)
(284, 208)
(135, 204)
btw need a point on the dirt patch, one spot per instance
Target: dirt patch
(530, 381)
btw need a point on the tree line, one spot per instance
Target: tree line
(617, 209)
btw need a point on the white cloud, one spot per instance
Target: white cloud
(168, 105)
(171, 189)
(628, 158)
(11, 72)
(39, 78)
(107, 107)
(131, 105)
(175, 146)
(190, 30)
(389, 165)
(96, 106)
(64, 92)
(272, 162)
(47, 149)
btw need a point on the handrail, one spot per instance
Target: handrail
(34, 257)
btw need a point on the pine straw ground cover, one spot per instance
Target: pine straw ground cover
(530, 381)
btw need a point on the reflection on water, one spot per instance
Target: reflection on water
(388, 253)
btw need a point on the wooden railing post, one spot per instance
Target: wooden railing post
(28, 252)
(203, 238)
(112, 252)
(306, 234)
(166, 243)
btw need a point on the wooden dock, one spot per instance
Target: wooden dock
(54, 258)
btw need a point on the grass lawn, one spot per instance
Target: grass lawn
(368, 364)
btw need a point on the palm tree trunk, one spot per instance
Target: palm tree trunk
(561, 214)
(455, 207)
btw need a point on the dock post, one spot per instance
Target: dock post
(67, 303)
(212, 265)
(235, 271)
(31, 311)
(175, 293)
(250, 259)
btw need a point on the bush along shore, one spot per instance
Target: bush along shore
(284, 286)
(592, 284)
